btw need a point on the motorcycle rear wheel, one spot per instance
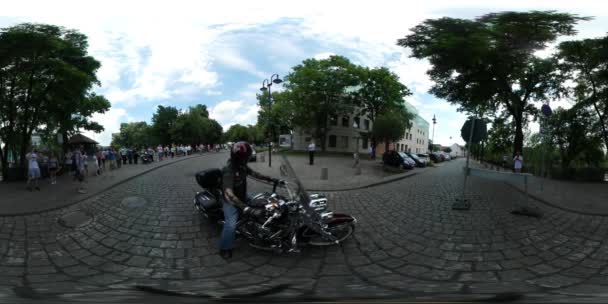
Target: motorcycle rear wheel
(341, 232)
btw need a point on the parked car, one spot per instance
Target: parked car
(446, 156)
(421, 163)
(436, 157)
(407, 159)
(424, 157)
(394, 159)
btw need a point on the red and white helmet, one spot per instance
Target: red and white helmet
(240, 152)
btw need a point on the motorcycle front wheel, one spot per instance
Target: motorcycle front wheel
(340, 231)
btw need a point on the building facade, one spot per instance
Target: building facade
(344, 135)
(416, 139)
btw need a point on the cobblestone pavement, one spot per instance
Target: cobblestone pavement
(408, 241)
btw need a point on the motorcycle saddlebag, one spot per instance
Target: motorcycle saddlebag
(210, 178)
(207, 200)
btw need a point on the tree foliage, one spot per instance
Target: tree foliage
(276, 118)
(133, 135)
(391, 126)
(46, 77)
(194, 127)
(586, 63)
(379, 92)
(163, 121)
(489, 64)
(317, 92)
(574, 135)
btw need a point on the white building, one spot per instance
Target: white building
(346, 130)
(457, 150)
(416, 139)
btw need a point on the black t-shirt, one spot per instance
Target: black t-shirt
(235, 178)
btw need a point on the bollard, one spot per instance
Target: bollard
(324, 174)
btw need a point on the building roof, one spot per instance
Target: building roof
(81, 139)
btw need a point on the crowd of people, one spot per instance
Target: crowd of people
(105, 161)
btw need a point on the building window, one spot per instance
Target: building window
(332, 141)
(343, 141)
(402, 147)
(405, 147)
(364, 143)
(333, 120)
(345, 121)
(366, 124)
(357, 121)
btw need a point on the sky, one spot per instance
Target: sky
(217, 53)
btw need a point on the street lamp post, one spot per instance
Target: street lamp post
(266, 85)
(433, 138)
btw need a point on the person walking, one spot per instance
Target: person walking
(159, 150)
(104, 156)
(311, 152)
(53, 168)
(135, 155)
(123, 155)
(130, 155)
(118, 158)
(80, 175)
(370, 151)
(518, 162)
(504, 161)
(33, 170)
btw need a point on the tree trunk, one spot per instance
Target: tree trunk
(519, 134)
(4, 162)
(602, 124)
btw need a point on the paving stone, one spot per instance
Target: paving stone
(478, 276)
(555, 281)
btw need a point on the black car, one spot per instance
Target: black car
(435, 157)
(394, 159)
(420, 163)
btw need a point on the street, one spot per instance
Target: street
(408, 241)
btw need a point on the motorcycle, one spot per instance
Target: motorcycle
(277, 222)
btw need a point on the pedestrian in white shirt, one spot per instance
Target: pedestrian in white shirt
(311, 152)
(33, 170)
(518, 162)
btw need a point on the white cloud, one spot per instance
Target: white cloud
(111, 121)
(231, 112)
(324, 55)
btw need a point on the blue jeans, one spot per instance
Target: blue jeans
(231, 217)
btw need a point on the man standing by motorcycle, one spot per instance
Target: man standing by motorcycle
(235, 192)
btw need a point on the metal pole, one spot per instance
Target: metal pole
(463, 203)
(269, 127)
(433, 138)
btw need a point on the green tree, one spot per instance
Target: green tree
(238, 132)
(194, 127)
(134, 134)
(276, 119)
(572, 132)
(586, 63)
(489, 63)
(163, 121)
(447, 150)
(391, 126)
(316, 89)
(379, 92)
(46, 77)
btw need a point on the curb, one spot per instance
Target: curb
(543, 201)
(97, 192)
(368, 185)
